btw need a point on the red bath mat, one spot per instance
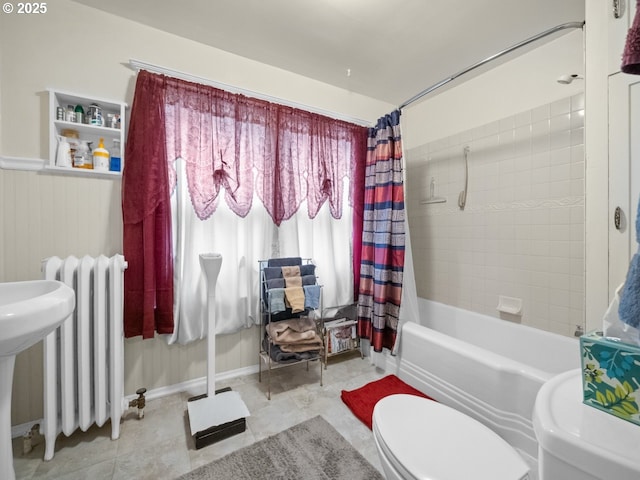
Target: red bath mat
(362, 400)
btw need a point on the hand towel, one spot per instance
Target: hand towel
(275, 283)
(290, 272)
(631, 53)
(292, 281)
(276, 300)
(280, 262)
(272, 272)
(308, 280)
(309, 269)
(629, 309)
(294, 298)
(311, 296)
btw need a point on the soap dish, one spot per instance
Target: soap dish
(509, 305)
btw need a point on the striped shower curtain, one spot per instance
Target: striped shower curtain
(383, 236)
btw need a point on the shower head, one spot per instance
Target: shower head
(567, 79)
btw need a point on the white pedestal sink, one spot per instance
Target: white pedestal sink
(29, 311)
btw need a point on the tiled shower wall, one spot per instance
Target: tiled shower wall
(521, 233)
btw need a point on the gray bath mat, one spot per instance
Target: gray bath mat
(311, 450)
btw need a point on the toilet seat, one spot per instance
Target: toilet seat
(423, 439)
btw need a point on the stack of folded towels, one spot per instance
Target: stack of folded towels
(292, 287)
(292, 340)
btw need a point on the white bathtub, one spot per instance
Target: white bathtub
(488, 368)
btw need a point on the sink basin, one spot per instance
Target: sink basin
(29, 311)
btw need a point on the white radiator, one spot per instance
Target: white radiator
(84, 357)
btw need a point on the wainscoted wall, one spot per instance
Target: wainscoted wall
(46, 215)
(521, 233)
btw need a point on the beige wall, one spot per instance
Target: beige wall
(77, 49)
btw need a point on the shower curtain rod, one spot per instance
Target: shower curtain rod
(535, 38)
(138, 65)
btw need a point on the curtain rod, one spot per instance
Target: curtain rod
(138, 65)
(537, 37)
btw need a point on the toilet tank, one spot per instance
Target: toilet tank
(578, 442)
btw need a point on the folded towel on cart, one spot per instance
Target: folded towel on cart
(308, 280)
(290, 271)
(301, 347)
(279, 262)
(294, 298)
(277, 300)
(311, 296)
(272, 272)
(275, 283)
(277, 355)
(287, 328)
(292, 281)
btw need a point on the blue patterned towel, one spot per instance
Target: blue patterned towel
(629, 309)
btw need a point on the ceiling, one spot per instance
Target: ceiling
(388, 50)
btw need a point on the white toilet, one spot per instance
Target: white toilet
(418, 438)
(579, 442)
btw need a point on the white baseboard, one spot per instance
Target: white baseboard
(195, 386)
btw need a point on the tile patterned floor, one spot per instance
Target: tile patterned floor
(160, 446)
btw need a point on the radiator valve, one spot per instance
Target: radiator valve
(139, 402)
(30, 439)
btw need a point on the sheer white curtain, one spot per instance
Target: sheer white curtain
(242, 243)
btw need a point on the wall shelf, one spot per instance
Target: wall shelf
(86, 132)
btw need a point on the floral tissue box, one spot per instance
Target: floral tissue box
(611, 376)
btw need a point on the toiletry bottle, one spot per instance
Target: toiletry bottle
(101, 157)
(79, 113)
(63, 156)
(81, 157)
(115, 161)
(70, 115)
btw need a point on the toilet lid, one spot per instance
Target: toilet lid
(432, 441)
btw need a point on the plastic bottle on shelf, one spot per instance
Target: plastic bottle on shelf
(115, 162)
(63, 156)
(79, 111)
(101, 157)
(82, 156)
(70, 115)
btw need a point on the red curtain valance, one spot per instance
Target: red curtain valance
(245, 145)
